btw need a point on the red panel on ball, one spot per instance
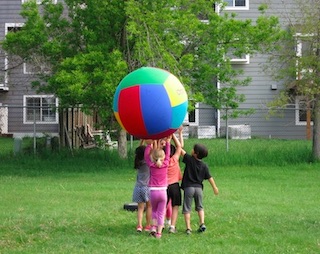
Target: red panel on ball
(130, 111)
(160, 135)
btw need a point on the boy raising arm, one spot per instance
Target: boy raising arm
(192, 183)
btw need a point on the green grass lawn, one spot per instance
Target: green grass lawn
(268, 203)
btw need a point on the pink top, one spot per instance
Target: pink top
(158, 176)
(174, 172)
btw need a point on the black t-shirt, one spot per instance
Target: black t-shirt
(194, 173)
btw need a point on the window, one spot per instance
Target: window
(38, 1)
(40, 108)
(3, 74)
(304, 48)
(242, 60)
(36, 67)
(193, 116)
(4, 77)
(237, 4)
(301, 111)
(40, 68)
(237, 59)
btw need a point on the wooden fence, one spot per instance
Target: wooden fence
(71, 121)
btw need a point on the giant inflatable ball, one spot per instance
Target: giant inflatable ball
(150, 103)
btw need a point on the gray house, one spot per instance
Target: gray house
(262, 89)
(292, 123)
(24, 112)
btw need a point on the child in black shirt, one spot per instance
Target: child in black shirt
(195, 172)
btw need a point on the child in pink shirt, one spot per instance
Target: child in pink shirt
(158, 161)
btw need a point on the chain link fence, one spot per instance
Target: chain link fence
(203, 122)
(288, 123)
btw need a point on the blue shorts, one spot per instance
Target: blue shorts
(141, 194)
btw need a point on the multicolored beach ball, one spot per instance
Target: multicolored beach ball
(150, 103)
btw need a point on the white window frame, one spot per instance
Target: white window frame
(196, 115)
(236, 60)
(38, 1)
(6, 61)
(299, 48)
(299, 75)
(238, 8)
(25, 68)
(245, 60)
(48, 121)
(300, 122)
(26, 71)
(4, 79)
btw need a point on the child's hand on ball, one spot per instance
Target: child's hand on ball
(149, 141)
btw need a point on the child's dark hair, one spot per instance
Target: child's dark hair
(200, 150)
(139, 156)
(172, 150)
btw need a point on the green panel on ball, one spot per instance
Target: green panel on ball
(144, 75)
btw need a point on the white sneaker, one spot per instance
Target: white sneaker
(172, 230)
(167, 223)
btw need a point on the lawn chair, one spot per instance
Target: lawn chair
(102, 139)
(109, 143)
(86, 140)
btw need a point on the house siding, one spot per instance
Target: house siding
(19, 83)
(258, 93)
(208, 115)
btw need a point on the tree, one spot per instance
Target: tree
(89, 46)
(297, 64)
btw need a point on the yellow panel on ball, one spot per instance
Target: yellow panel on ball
(177, 93)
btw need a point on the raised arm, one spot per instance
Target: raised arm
(181, 136)
(142, 142)
(147, 152)
(177, 145)
(167, 149)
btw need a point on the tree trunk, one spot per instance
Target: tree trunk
(122, 144)
(316, 130)
(308, 130)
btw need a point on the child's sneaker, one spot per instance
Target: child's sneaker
(139, 229)
(188, 231)
(167, 223)
(158, 235)
(147, 228)
(152, 234)
(153, 231)
(202, 228)
(172, 230)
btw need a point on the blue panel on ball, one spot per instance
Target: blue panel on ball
(156, 108)
(115, 100)
(178, 114)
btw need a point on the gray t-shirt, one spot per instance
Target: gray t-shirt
(143, 175)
